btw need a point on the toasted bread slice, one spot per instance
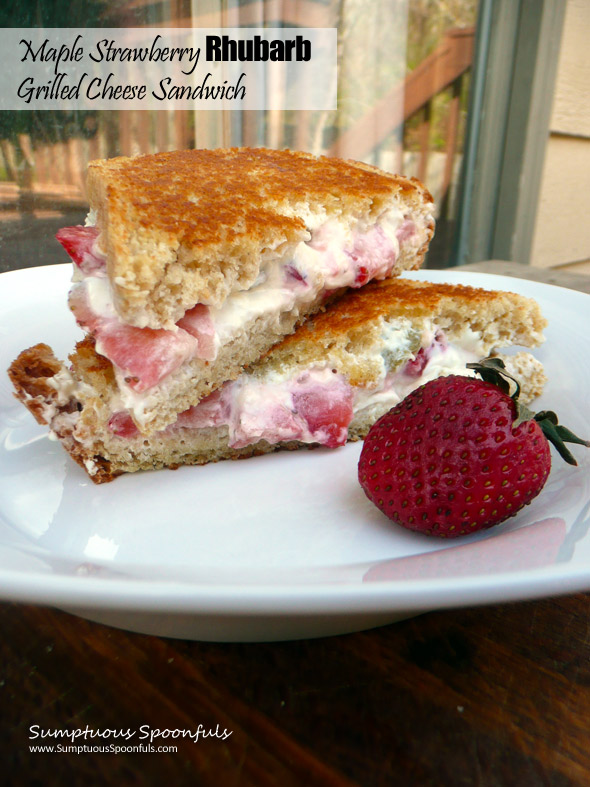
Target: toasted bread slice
(325, 384)
(193, 226)
(500, 319)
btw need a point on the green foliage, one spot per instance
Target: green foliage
(51, 126)
(54, 13)
(429, 19)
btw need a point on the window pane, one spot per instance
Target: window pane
(403, 80)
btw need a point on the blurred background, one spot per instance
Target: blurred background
(486, 101)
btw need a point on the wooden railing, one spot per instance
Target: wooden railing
(444, 68)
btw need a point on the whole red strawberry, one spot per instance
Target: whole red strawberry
(460, 454)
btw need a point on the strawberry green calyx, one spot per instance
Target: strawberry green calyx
(493, 370)
(559, 435)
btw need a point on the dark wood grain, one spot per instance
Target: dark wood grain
(495, 696)
(492, 696)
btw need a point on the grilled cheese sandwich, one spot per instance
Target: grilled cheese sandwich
(323, 385)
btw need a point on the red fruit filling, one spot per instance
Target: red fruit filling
(406, 230)
(327, 412)
(197, 321)
(362, 276)
(373, 256)
(214, 410)
(293, 273)
(79, 242)
(144, 355)
(122, 425)
(314, 412)
(415, 367)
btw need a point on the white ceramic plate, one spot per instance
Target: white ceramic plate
(276, 547)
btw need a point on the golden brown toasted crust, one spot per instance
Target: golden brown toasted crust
(191, 226)
(354, 324)
(196, 195)
(408, 298)
(29, 374)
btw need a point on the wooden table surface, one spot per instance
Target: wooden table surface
(496, 695)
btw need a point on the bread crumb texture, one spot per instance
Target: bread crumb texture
(192, 226)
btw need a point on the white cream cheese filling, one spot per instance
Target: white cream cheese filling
(443, 361)
(398, 346)
(255, 402)
(328, 260)
(267, 406)
(68, 390)
(263, 410)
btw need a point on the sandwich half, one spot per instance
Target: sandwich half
(195, 263)
(323, 385)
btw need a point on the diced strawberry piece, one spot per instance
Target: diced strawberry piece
(416, 366)
(144, 355)
(373, 256)
(79, 242)
(362, 276)
(122, 425)
(197, 321)
(214, 410)
(327, 410)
